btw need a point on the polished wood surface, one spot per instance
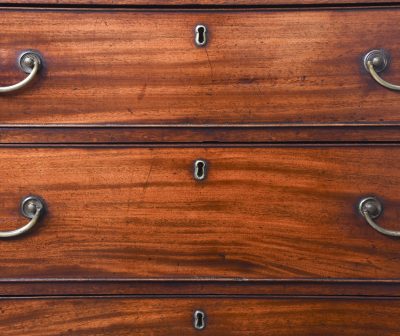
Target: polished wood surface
(195, 3)
(141, 67)
(262, 213)
(249, 135)
(225, 316)
(234, 287)
(295, 133)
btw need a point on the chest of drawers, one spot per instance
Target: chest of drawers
(210, 167)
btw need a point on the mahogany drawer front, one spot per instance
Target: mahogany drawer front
(143, 68)
(173, 316)
(261, 213)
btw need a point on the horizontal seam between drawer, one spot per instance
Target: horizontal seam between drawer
(203, 280)
(202, 296)
(195, 7)
(203, 126)
(295, 144)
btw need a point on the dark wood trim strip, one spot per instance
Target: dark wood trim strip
(194, 134)
(173, 5)
(270, 288)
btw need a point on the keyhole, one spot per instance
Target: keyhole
(200, 169)
(201, 35)
(199, 320)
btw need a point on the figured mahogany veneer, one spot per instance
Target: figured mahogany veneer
(225, 316)
(262, 213)
(142, 67)
(294, 133)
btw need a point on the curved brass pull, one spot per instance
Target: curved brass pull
(371, 208)
(376, 61)
(30, 62)
(31, 207)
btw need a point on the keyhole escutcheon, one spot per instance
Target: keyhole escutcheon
(200, 169)
(199, 320)
(200, 35)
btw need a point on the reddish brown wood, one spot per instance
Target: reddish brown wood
(135, 67)
(262, 213)
(197, 3)
(387, 288)
(173, 316)
(200, 135)
(271, 243)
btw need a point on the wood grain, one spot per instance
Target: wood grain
(138, 67)
(201, 135)
(173, 316)
(195, 3)
(311, 288)
(262, 213)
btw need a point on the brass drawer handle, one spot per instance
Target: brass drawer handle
(31, 207)
(377, 61)
(30, 62)
(371, 208)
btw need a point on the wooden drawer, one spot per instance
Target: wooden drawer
(172, 316)
(143, 68)
(261, 213)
